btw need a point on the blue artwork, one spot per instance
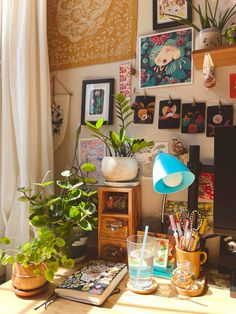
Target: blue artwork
(165, 58)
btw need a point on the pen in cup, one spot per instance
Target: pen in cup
(174, 228)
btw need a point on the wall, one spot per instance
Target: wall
(72, 78)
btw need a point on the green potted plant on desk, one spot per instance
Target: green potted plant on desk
(212, 22)
(35, 262)
(71, 215)
(120, 165)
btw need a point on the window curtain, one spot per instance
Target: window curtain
(25, 113)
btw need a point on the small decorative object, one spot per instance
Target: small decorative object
(97, 100)
(144, 107)
(182, 276)
(212, 20)
(161, 253)
(177, 8)
(165, 58)
(169, 114)
(120, 145)
(125, 79)
(92, 150)
(34, 263)
(180, 150)
(230, 34)
(193, 117)
(221, 115)
(208, 71)
(232, 79)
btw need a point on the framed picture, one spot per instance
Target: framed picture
(165, 59)
(97, 100)
(92, 150)
(175, 7)
(206, 182)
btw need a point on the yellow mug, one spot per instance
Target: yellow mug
(196, 259)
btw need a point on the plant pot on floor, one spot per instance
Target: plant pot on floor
(118, 169)
(209, 37)
(25, 281)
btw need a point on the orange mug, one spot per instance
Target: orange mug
(196, 259)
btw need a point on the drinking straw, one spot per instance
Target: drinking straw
(142, 252)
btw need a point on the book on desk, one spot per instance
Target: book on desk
(93, 283)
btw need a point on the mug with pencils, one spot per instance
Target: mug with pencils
(195, 258)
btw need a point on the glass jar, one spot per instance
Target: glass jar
(183, 277)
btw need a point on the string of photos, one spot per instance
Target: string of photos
(191, 117)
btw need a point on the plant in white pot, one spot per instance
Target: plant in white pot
(120, 165)
(212, 21)
(35, 262)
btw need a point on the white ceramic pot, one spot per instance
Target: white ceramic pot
(209, 37)
(119, 168)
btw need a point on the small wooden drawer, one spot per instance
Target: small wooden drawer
(114, 250)
(114, 227)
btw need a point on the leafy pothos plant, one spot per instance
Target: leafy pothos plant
(75, 206)
(41, 250)
(119, 143)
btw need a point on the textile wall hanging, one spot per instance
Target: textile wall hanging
(82, 32)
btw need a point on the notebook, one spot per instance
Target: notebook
(93, 283)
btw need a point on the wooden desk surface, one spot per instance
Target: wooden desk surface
(164, 300)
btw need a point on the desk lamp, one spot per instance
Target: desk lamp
(170, 175)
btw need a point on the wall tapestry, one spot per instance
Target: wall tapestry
(165, 58)
(82, 32)
(60, 108)
(144, 107)
(169, 114)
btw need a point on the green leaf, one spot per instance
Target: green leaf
(39, 221)
(99, 123)
(5, 240)
(85, 225)
(49, 274)
(90, 180)
(66, 173)
(90, 208)
(64, 184)
(60, 242)
(54, 200)
(68, 263)
(37, 272)
(7, 259)
(53, 266)
(88, 167)
(45, 184)
(23, 199)
(73, 212)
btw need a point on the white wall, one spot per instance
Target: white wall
(72, 78)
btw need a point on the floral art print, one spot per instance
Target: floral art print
(144, 107)
(193, 117)
(165, 58)
(169, 114)
(218, 116)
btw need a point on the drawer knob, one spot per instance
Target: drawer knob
(114, 225)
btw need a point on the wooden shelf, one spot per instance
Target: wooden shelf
(221, 56)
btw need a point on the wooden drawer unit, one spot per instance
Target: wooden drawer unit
(119, 213)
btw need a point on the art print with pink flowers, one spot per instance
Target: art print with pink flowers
(165, 58)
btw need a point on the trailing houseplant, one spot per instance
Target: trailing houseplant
(211, 20)
(35, 262)
(119, 144)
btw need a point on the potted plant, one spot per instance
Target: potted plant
(212, 22)
(71, 215)
(34, 263)
(120, 165)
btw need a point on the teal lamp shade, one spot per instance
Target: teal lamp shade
(170, 175)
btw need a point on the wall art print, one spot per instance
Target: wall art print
(92, 150)
(193, 117)
(125, 79)
(176, 7)
(169, 114)
(218, 116)
(165, 59)
(82, 32)
(144, 107)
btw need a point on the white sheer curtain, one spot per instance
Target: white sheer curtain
(25, 117)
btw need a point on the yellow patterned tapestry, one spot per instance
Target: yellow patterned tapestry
(85, 32)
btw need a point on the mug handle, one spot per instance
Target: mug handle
(204, 255)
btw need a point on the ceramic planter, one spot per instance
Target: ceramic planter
(209, 37)
(119, 169)
(24, 278)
